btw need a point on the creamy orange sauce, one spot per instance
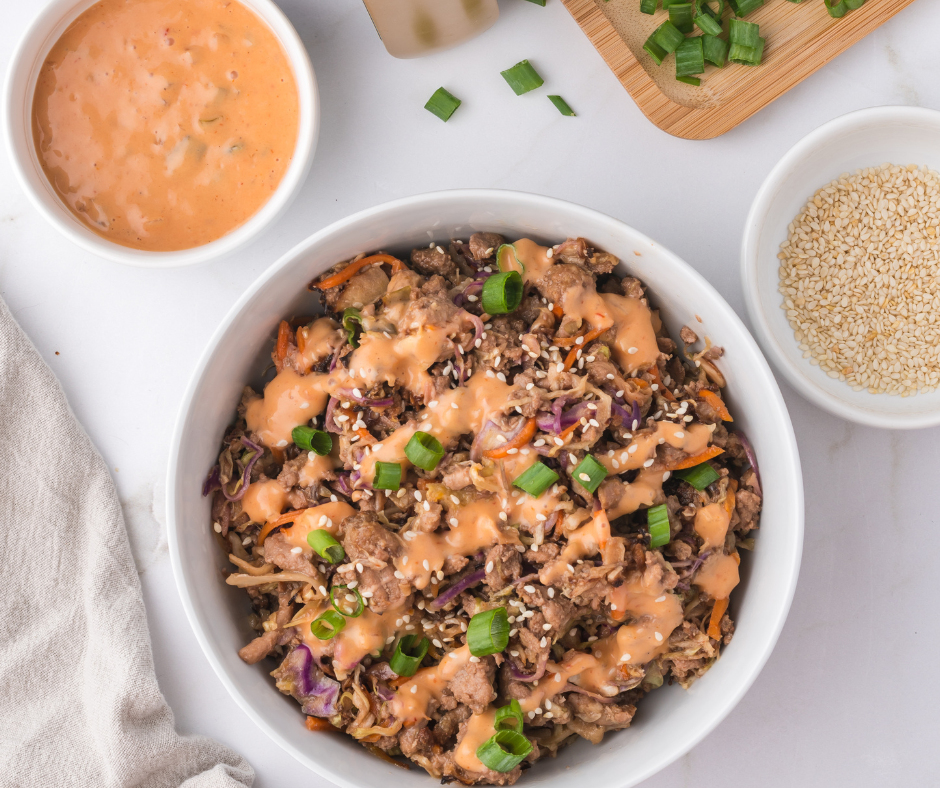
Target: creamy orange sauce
(315, 469)
(365, 634)
(634, 344)
(264, 501)
(410, 703)
(479, 730)
(692, 439)
(711, 523)
(320, 340)
(165, 124)
(326, 517)
(718, 576)
(289, 401)
(646, 490)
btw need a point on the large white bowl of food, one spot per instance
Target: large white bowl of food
(476, 479)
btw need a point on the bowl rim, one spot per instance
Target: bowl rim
(756, 219)
(16, 111)
(490, 198)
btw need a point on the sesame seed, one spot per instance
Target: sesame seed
(426, 565)
(417, 495)
(543, 642)
(648, 463)
(560, 367)
(613, 607)
(474, 659)
(658, 636)
(358, 567)
(551, 593)
(296, 550)
(559, 442)
(529, 589)
(660, 598)
(666, 476)
(390, 639)
(455, 406)
(454, 521)
(514, 653)
(399, 575)
(489, 567)
(414, 689)
(529, 386)
(503, 516)
(479, 341)
(584, 477)
(404, 560)
(546, 627)
(512, 451)
(631, 350)
(680, 434)
(440, 251)
(217, 528)
(500, 376)
(610, 376)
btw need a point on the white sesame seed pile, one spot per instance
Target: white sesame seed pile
(859, 278)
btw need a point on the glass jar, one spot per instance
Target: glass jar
(413, 28)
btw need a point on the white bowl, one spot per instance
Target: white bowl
(20, 86)
(867, 138)
(670, 720)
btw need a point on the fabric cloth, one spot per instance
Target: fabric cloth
(79, 701)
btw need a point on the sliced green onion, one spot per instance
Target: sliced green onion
(442, 104)
(648, 6)
(536, 479)
(704, 6)
(699, 476)
(667, 3)
(538, 2)
(408, 656)
(424, 451)
(502, 293)
(657, 519)
(836, 8)
(746, 56)
(325, 546)
(690, 57)
(309, 439)
(655, 51)
(387, 475)
(680, 14)
(747, 34)
(522, 77)
(744, 7)
(360, 605)
(708, 24)
(488, 632)
(689, 80)
(715, 50)
(509, 718)
(504, 751)
(668, 37)
(853, 4)
(328, 625)
(590, 473)
(561, 105)
(506, 259)
(350, 318)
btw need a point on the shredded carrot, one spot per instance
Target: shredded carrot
(557, 311)
(587, 336)
(714, 623)
(737, 557)
(270, 525)
(365, 435)
(654, 372)
(319, 724)
(283, 340)
(729, 501)
(352, 268)
(717, 403)
(639, 382)
(573, 353)
(301, 335)
(524, 436)
(568, 430)
(698, 459)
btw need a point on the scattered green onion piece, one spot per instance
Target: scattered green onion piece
(744, 7)
(705, 5)
(350, 318)
(504, 751)
(715, 50)
(851, 5)
(708, 24)
(509, 718)
(536, 479)
(593, 470)
(680, 14)
(657, 519)
(689, 80)
(699, 476)
(488, 632)
(746, 56)
(408, 656)
(360, 605)
(655, 51)
(309, 439)
(667, 3)
(690, 57)
(328, 625)
(506, 259)
(538, 2)
(668, 37)
(502, 293)
(325, 546)
(837, 8)
(561, 105)
(387, 475)
(522, 77)
(424, 451)
(648, 6)
(746, 34)
(442, 104)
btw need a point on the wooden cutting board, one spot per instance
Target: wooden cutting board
(800, 39)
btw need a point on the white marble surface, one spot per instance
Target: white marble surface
(849, 696)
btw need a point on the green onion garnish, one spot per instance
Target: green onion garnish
(407, 656)
(387, 475)
(442, 104)
(360, 605)
(590, 473)
(700, 476)
(506, 259)
(708, 24)
(522, 77)
(680, 14)
(502, 293)
(488, 632)
(839, 8)
(325, 546)
(658, 520)
(746, 56)
(667, 37)
(561, 105)
(715, 50)
(536, 479)
(648, 6)
(689, 80)
(655, 51)
(744, 7)
(328, 625)
(690, 57)
(509, 718)
(746, 34)
(309, 439)
(424, 451)
(351, 317)
(504, 751)
(537, 2)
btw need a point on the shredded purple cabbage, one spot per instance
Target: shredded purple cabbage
(751, 458)
(212, 482)
(526, 677)
(246, 473)
(317, 692)
(461, 585)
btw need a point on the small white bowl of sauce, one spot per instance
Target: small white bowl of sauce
(161, 133)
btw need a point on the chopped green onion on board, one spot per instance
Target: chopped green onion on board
(562, 106)
(442, 104)
(522, 77)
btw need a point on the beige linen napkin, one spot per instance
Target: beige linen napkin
(79, 701)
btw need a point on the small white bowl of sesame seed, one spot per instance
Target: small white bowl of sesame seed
(841, 267)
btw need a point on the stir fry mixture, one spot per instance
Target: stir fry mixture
(484, 505)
